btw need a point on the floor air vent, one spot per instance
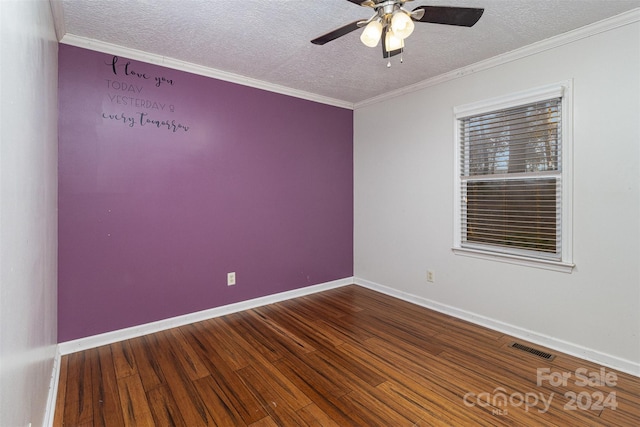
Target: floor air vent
(541, 354)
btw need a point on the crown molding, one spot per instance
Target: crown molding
(608, 24)
(176, 64)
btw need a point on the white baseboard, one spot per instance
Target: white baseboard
(81, 344)
(585, 353)
(136, 331)
(53, 391)
(161, 325)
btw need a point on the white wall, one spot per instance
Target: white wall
(404, 171)
(28, 203)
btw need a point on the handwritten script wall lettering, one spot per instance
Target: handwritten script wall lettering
(127, 70)
(127, 91)
(142, 119)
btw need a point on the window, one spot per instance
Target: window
(513, 178)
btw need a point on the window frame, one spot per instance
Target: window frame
(563, 90)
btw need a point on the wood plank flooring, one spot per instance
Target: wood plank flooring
(344, 357)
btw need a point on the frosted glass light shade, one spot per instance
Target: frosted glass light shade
(402, 25)
(371, 34)
(393, 42)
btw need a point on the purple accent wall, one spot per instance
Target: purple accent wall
(169, 180)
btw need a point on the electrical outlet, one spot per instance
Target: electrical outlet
(431, 276)
(231, 278)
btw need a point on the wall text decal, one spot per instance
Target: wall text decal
(127, 70)
(140, 103)
(128, 92)
(143, 119)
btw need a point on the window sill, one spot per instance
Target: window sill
(562, 267)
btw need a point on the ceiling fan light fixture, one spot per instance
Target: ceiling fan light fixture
(392, 41)
(393, 23)
(402, 24)
(371, 34)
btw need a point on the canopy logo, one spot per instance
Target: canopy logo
(499, 400)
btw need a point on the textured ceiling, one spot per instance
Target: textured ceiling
(269, 40)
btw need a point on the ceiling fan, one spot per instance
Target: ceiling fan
(392, 23)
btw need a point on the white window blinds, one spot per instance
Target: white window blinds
(511, 180)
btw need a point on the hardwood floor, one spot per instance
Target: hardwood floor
(345, 357)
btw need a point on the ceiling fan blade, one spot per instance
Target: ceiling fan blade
(339, 32)
(461, 16)
(386, 54)
(358, 2)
